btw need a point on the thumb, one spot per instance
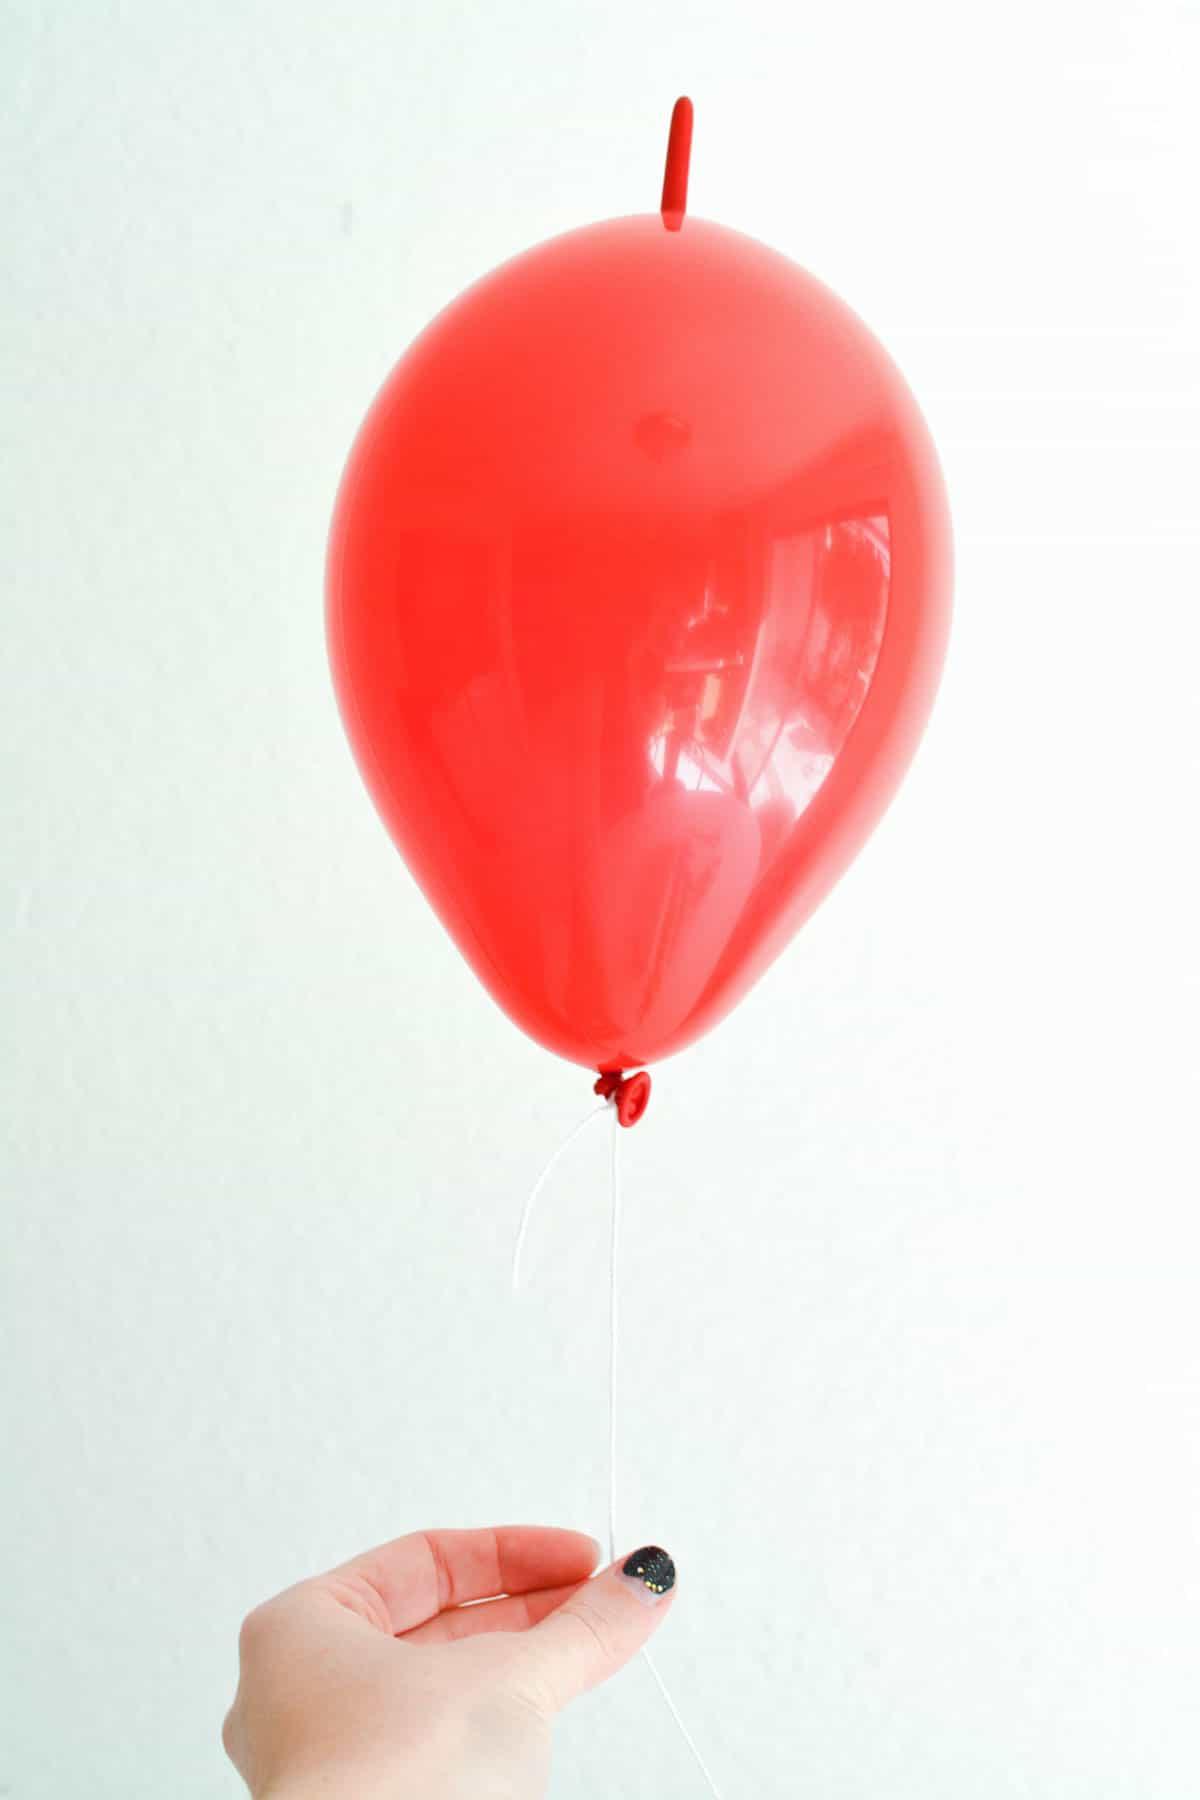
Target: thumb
(602, 1625)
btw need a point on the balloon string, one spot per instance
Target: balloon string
(614, 1235)
(682, 1729)
(614, 1247)
(540, 1183)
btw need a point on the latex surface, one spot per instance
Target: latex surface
(638, 590)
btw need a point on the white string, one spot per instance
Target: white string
(540, 1183)
(684, 1733)
(614, 1246)
(614, 1236)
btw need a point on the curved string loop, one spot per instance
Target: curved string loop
(539, 1184)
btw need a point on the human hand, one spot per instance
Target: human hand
(383, 1681)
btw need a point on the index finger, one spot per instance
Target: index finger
(414, 1578)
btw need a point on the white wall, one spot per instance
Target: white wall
(912, 1354)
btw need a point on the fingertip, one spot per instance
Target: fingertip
(604, 1623)
(648, 1573)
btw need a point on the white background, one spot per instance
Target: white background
(912, 1360)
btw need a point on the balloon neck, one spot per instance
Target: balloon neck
(629, 1093)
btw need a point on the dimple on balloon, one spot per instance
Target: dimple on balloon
(638, 592)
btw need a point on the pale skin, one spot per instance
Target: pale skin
(384, 1680)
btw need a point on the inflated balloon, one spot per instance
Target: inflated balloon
(638, 591)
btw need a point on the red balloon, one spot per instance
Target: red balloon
(638, 592)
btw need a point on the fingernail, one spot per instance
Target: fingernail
(650, 1572)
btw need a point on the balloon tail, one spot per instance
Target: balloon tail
(679, 156)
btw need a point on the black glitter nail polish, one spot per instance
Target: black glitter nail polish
(653, 1567)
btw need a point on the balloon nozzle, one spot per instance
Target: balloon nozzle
(629, 1093)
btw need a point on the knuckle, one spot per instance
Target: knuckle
(254, 1628)
(359, 1593)
(589, 1618)
(441, 1564)
(229, 1732)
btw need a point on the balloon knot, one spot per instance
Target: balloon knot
(629, 1093)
